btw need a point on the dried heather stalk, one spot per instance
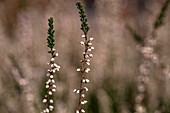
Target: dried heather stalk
(84, 69)
(50, 84)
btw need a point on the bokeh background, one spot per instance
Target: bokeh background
(114, 67)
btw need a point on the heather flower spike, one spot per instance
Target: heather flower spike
(84, 69)
(50, 83)
(149, 56)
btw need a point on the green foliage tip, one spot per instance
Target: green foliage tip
(135, 35)
(83, 18)
(159, 21)
(50, 38)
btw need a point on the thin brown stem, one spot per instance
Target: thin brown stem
(82, 68)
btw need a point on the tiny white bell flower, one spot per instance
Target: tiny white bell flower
(56, 54)
(50, 93)
(89, 44)
(82, 95)
(82, 110)
(51, 101)
(91, 38)
(77, 111)
(52, 59)
(53, 90)
(74, 90)
(82, 43)
(45, 100)
(78, 69)
(83, 36)
(47, 86)
(78, 91)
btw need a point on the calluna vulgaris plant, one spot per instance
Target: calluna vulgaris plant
(50, 84)
(149, 56)
(87, 43)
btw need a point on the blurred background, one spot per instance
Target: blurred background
(114, 67)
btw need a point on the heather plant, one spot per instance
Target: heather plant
(50, 83)
(117, 85)
(149, 56)
(84, 69)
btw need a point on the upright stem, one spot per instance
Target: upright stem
(85, 61)
(82, 68)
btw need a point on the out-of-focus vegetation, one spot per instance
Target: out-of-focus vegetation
(115, 66)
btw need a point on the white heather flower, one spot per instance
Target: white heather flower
(56, 54)
(58, 66)
(89, 44)
(51, 76)
(84, 53)
(53, 70)
(77, 111)
(81, 61)
(88, 63)
(44, 111)
(78, 69)
(53, 81)
(47, 110)
(53, 90)
(45, 96)
(48, 63)
(58, 69)
(87, 80)
(88, 60)
(45, 100)
(82, 95)
(48, 74)
(55, 65)
(78, 91)
(87, 70)
(91, 38)
(47, 82)
(47, 86)
(74, 90)
(92, 47)
(90, 55)
(84, 102)
(88, 49)
(83, 36)
(53, 49)
(51, 101)
(52, 59)
(52, 65)
(54, 85)
(82, 43)
(82, 110)
(83, 80)
(50, 93)
(86, 56)
(86, 89)
(51, 107)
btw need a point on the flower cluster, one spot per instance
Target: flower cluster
(50, 83)
(84, 69)
(149, 56)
